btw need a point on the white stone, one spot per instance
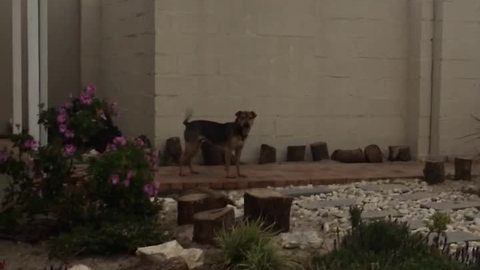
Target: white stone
(79, 267)
(193, 257)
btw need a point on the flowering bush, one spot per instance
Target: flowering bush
(121, 179)
(83, 123)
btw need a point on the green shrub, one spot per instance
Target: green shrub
(107, 239)
(385, 245)
(248, 245)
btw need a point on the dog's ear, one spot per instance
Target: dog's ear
(238, 114)
(253, 115)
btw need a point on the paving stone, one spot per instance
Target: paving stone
(313, 205)
(380, 187)
(414, 196)
(458, 237)
(451, 205)
(416, 224)
(297, 192)
(380, 214)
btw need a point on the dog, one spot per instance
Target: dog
(230, 136)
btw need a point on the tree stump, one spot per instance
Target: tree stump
(173, 149)
(349, 156)
(268, 154)
(434, 172)
(206, 224)
(319, 151)
(190, 204)
(373, 154)
(296, 153)
(463, 168)
(271, 207)
(399, 153)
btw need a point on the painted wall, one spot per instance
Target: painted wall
(127, 62)
(313, 70)
(5, 64)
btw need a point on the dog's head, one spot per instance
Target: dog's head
(245, 120)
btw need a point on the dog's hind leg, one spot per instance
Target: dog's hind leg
(228, 160)
(195, 148)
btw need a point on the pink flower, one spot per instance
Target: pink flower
(68, 105)
(69, 134)
(90, 89)
(85, 99)
(62, 117)
(149, 190)
(3, 156)
(115, 179)
(62, 128)
(69, 150)
(30, 144)
(126, 183)
(111, 147)
(139, 142)
(129, 175)
(120, 140)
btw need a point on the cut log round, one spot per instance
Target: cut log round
(268, 154)
(349, 156)
(271, 207)
(463, 168)
(399, 153)
(373, 154)
(173, 149)
(296, 153)
(206, 224)
(319, 151)
(189, 205)
(434, 172)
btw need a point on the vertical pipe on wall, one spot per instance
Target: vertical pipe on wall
(43, 36)
(33, 68)
(17, 65)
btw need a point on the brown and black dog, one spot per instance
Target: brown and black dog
(230, 136)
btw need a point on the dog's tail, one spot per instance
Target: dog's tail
(188, 115)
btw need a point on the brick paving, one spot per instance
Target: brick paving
(285, 174)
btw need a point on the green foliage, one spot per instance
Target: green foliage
(107, 239)
(85, 122)
(438, 222)
(248, 245)
(386, 245)
(355, 215)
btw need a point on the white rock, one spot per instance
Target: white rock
(79, 267)
(193, 257)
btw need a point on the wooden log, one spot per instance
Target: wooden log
(206, 224)
(349, 156)
(268, 154)
(434, 172)
(399, 153)
(188, 206)
(319, 151)
(373, 154)
(271, 207)
(296, 153)
(173, 149)
(216, 199)
(463, 168)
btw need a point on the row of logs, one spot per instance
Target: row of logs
(434, 170)
(213, 155)
(209, 212)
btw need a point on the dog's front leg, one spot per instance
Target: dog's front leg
(228, 159)
(238, 153)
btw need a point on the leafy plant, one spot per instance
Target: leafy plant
(355, 215)
(84, 122)
(248, 245)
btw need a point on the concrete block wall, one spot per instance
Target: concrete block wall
(127, 62)
(313, 70)
(459, 76)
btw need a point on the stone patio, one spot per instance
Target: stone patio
(296, 174)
